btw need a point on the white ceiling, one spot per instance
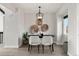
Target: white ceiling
(33, 7)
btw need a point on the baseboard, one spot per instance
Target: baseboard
(1, 45)
(59, 43)
(69, 54)
(11, 46)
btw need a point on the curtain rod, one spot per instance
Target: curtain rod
(2, 11)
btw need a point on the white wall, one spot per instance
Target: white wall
(72, 31)
(78, 29)
(50, 19)
(20, 15)
(29, 19)
(10, 31)
(59, 31)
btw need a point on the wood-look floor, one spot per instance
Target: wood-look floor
(23, 51)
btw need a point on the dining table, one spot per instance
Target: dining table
(40, 36)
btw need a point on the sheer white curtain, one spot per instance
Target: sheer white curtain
(1, 22)
(1, 27)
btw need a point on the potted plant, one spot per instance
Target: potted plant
(25, 38)
(26, 35)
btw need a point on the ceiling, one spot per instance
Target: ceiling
(33, 7)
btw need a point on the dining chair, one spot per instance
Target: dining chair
(47, 41)
(34, 41)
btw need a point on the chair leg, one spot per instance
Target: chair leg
(28, 47)
(38, 48)
(43, 48)
(31, 47)
(52, 48)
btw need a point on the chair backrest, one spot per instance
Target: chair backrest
(47, 40)
(34, 39)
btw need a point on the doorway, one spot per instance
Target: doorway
(65, 28)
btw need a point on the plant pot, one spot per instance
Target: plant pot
(25, 41)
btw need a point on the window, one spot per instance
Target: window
(65, 24)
